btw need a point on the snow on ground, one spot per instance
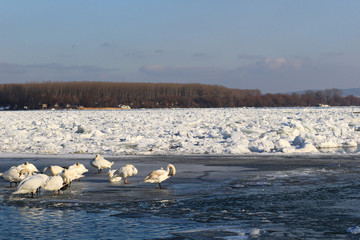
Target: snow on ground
(181, 131)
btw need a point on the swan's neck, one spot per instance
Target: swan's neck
(171, 170)
(25, 171)
(66, 180)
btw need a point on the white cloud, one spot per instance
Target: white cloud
(154, 68)
(276, 63)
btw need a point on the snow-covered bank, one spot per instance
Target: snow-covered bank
(181, 131)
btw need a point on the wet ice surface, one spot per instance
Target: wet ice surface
(237, 197)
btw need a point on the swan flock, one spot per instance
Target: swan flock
(29, 180)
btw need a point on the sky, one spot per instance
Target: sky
(275, 46)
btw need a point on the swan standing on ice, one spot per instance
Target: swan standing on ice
(28, 173)
(56, 183)
(127, 171)
(113, 178)
(13, 175)
(100, 163)
(30, 184)
(160, 175)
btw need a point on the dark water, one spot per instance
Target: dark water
(257, 197)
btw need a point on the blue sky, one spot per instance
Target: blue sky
(274, 46)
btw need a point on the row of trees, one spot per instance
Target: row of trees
(151, 95)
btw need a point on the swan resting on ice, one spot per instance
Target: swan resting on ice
(126, 171)
(160, 175)
(113, 178)
(75, 171)
(100, 163)
(13, 175)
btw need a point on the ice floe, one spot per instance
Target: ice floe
(181, 131)
(354, 230)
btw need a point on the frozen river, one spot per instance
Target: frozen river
(224, 197)
(220, 131)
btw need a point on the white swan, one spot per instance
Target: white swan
(26, 173)
(13, 175)
(29, 166)
(30, 184)
(160, 175)
(113, 178)
(76, 171)
(53, 170)
(100, 163)
(126, 171)
(79, 168)
(56, 183)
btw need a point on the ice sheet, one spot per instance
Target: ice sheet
(181, 131)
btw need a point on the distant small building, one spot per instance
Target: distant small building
(323, 105)
(124, 106)
(43, 105)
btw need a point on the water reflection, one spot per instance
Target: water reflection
(35, 223)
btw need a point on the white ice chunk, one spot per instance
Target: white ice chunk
(354, 230)
(308, 148)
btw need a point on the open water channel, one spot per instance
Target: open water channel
(210, 197)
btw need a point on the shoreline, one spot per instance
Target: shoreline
(249, 155)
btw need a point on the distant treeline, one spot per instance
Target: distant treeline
(156, 95)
